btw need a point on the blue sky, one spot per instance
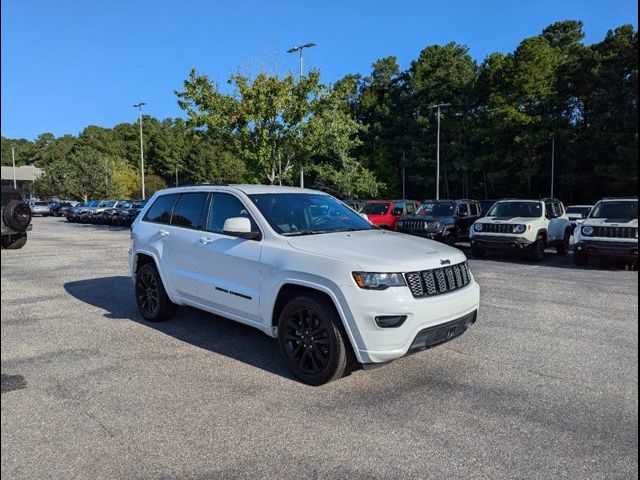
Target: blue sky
(69, 64)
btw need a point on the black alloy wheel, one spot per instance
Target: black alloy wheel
(313, 341)
(153, 302)
(536, 251)
(563, 248)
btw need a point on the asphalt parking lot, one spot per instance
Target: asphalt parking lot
(544, 385)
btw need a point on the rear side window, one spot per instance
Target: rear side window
(474, 209)
(188, 210)
(160, 211)
(463, 209)
(226, 206)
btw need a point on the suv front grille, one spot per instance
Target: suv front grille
(614, 232)
(497, 228)
(414, 225)
(428, 283)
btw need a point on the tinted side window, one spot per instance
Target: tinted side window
(225, 206)
(475, 209)
(558, 208)
(463, 209)
(160, 211)
(410, 208)
(548, 206)
(188, 210)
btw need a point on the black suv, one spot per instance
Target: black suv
(447, 221)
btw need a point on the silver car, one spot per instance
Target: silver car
(39, 208)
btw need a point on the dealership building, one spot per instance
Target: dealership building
(23, 177)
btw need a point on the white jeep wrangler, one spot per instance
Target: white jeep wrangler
(610, 230)
(302, 267)
(522, 225)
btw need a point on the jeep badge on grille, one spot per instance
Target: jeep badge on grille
(445, 262)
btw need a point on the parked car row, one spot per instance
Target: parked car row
(106, 212)
(518, 225)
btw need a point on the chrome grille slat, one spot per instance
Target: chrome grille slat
(428, 283)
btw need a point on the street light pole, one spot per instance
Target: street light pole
(139, 107)
(177, 165)
(553, 163)
(437, 107)
(293, 50)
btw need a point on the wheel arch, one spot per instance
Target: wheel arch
(290, 288)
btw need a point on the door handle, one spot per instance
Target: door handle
(206, 240)
(163, 233)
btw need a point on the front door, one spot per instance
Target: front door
(229, 266)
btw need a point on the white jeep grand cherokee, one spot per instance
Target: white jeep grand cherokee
(610, 230)
(300, 266)
(522, 225)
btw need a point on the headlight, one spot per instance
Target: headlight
(519, 228)
(477, 227)
(587, 231)
(433, 225)
(636, 233)
(399, 224)
(378, 281)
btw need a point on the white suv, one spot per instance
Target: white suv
(523, 225)
(300, 266)
(610, 230)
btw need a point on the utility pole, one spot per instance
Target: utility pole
(553, 163)
(177, 165)
(437, 107)
(403, 178)
(139, 107)
(13, 161)
(293, 50)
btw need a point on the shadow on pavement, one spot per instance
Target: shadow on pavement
(201, 329)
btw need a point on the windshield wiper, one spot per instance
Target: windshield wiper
(316, 232)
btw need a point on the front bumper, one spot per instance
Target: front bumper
(375, 344)
(627, 250)
(501, 242)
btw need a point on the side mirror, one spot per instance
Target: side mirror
(240, 227)
(364, 215)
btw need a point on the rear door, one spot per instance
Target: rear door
(181, 251)
(229, 267)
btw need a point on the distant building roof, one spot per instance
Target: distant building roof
(26, 173)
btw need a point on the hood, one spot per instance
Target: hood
(379, 250)
(610, 222)
(508, 220)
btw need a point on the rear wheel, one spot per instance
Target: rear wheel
(563, 248)
(14, 242)
(451, 236)
(153, 302)
(313, 341)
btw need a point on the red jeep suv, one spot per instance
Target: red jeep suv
(385, 213)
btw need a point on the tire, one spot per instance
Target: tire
(563, 248)
(313, 341)
(16, 215)
(477, 251)
(581, 259)
(536, 250)
(152, 299)
(451, 238)
(14, 242)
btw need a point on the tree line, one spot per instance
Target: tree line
(357, 136)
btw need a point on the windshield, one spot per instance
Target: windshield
(91, 203)
(618, 210)
(125, 205)
(375, 208)
(138, 204)
(425, 207)
(307, 213)
(584, 211)
(111, 203)
(516, 209)
(437, 209)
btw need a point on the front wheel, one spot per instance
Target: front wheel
(536, 250)
(563, 248)
(313, 341)
(153, 302)
(580, 258)
(477, 250)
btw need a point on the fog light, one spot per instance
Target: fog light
(390, 321)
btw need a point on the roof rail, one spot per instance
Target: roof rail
(620, 198)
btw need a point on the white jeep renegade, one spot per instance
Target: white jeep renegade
(302, 267)
(610, 230)
(523, 225)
